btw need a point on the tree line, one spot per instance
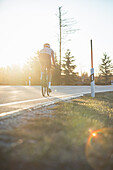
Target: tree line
(64, 75)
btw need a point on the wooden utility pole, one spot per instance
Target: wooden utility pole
(60, 38)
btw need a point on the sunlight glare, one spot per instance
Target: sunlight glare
(94, 134)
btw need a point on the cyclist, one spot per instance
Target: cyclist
(45, 56)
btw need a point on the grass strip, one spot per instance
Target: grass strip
(77, 136)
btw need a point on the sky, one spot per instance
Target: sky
(25, 25)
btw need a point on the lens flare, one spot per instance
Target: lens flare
(93, 134)
(99, 148)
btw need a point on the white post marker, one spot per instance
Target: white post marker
(92, 74)
(29, 81)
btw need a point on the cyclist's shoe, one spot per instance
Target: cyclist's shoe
(50, 90)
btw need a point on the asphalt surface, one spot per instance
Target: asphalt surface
(17, 98)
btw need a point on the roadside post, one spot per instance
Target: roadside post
(92, 74)
(29, 81)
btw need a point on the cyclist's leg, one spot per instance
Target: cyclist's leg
(49, 76)
(43, 80)
(43, 68)
(42, 72)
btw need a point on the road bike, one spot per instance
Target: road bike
(45, 84)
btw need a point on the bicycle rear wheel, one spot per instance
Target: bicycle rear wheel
(48, 91)
(44, 85)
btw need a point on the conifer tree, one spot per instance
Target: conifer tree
(106, 68)
(68, 68)
(68, 63)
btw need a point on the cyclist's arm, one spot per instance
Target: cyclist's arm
(53, 58)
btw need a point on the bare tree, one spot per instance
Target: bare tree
(66, 27)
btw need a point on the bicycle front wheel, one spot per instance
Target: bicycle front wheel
(43, 90)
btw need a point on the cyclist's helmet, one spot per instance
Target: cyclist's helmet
(47, 45)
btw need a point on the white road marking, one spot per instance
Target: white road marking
(39, 105)
(32, 100)
(20, 102)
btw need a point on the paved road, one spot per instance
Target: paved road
(13, 98)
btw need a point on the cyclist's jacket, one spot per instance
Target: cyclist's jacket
(47, 51)
(46, 54)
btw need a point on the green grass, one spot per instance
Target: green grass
(64, 140)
